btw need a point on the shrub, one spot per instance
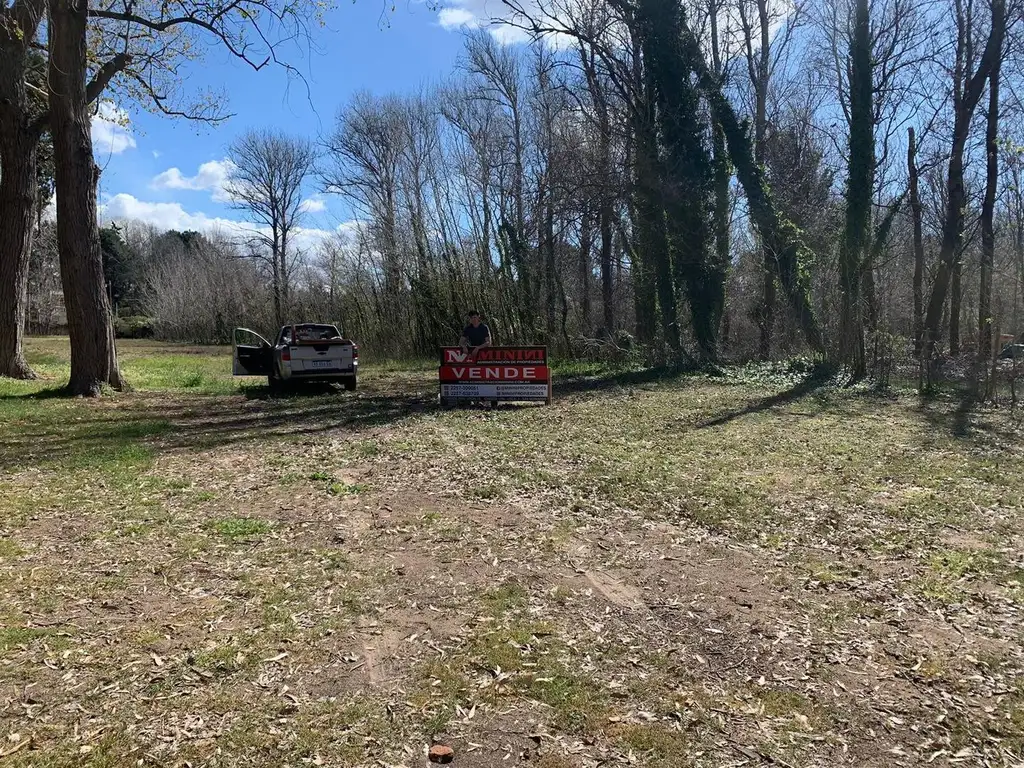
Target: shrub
(133, 327)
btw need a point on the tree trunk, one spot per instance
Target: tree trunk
(654, 244)
(654, 249)
(854, 252)
(766, 308)
(988, 239)
(275, 271)
(759, 79)
(916, 214)
(586, 242)
(721, 259)
(965, 102)
(17, 203)
(93, 356)
(606, 212)
(550, 266)
(779, 235)
(869, 292)
(686, 171)
(956, 294)
(645, 235)
(283, 256)
(19, 139)
(607, 277)
(789, 253)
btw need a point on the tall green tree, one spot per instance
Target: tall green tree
(790, 255)
(698, 274)
(855, 251)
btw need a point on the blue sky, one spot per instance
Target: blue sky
(168, 171)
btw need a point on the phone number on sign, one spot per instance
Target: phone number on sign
(496, 391)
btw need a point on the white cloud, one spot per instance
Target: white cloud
(471, 14)
(455, 18)
(156, 154)
(211, 177)
(507, 35)
(165, 216)
(314, 204)
(111, 130)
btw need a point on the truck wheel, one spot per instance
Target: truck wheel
(274, 385)
(350, 385)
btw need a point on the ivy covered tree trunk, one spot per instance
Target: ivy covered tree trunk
(19, 139)
(93, 357)
(645, 300)
(855, 250)
(653, 243)
(759, 66)
(765, 312)
(779, 235)
(687, 168)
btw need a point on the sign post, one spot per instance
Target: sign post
(495, 374)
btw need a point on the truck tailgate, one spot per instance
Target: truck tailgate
(309, 358)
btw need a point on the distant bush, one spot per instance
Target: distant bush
(134, 327)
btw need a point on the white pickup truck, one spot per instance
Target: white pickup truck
(308, 352)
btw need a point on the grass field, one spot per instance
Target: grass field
(656, 571)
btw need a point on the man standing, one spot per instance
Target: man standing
(475, 336)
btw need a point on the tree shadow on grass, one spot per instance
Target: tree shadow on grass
(808, 386)
(963, 416)
(582, 385)
(155, 423)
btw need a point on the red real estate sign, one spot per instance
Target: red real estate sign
(495, 374)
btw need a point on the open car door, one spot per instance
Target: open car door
(253, 355)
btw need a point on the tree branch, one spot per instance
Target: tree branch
(105, 74)
(163, 26)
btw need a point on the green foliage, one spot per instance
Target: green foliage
(122, 270)
(693, 268)
(779, 235)
(134, 327)
(855, 252)
(341, 488)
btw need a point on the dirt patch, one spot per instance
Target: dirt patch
(617, 592)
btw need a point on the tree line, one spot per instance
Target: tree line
(700, 179)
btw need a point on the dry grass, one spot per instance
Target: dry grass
(654, 571)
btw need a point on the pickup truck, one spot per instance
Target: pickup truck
(1012, 352)
(308, 352)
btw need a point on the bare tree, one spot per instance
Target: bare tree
(913, 173)
(364, 154)
(762, 55)
(267, 180)
(967, 89)
(988, 237)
